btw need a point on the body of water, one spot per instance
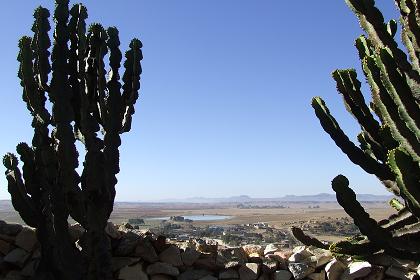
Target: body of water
(198, 217)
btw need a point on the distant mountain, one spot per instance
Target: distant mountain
(322, 197)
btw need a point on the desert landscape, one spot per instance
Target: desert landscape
(325, 219)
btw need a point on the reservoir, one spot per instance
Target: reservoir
(198, 217)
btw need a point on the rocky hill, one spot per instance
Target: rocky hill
(143, 256)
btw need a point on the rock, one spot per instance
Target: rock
(204, 247)
(300, 255)
(234, 254)
(317, 276)
(160, 244)
(250, 249)
(322, 260)
(30, 268)
(112, 231)
(160, 277)
(26, 239)
(232, 264)
(189, 256)
(127, 226)
(377, 273)
(171, 255)
(193, 274)
(127, 245)
(281, 263)
(134, 272)
(270, 248)
(269, 266)
(264, 276)
(284, 254)
(356, 270)
(229, 274)
(282, 275)
(17, 257)
(7, 238)
(146, 251)
(76, 231)
(119, 262)
(398, 273)
(5, 247)
(162, 268)
(10, 229)
(208, 261)
(322, 256)
(208, 277)
(14, 275)
(249, 271)
(301, 270)
(334, 269)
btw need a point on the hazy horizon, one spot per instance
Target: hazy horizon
(224, 105)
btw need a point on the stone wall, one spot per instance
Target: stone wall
(144, 256)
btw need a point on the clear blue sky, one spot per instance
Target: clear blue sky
(224, 106)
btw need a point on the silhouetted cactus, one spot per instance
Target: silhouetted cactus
(85, 99)
(389, 146)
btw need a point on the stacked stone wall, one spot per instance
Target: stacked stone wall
(141, 255)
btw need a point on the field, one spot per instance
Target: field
(289, 214)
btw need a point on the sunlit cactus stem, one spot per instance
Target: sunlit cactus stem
(390, 142)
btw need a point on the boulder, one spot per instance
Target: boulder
(112, 231)
(265, 276)
(160, 277)
(76, 231)
(232, 264)
(127, 245)
(134, 272)
(282, 275)
(5, 247)
(193, 274)
(317, 276)
(14, 275)
(377, 273)
(234, 254)
(30, 268)
(162, 268)
(270, 248)
(229, 274)
(160, 244)
(26, 239)
(269, 266)
(146, 251)
(253, 249)
(171, 255)
(301, 269)
(249, 271)
(189, 256)
(300, 254)
(208, 277)
(127, 226)
(119, 262)
(356, 270)
(10, 229)
(209, 262)
(334, 269)
(399, 273)
(17, 257)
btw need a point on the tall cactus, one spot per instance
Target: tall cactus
(389, 144)
(85, 100)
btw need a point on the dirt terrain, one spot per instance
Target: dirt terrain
(291, 214)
